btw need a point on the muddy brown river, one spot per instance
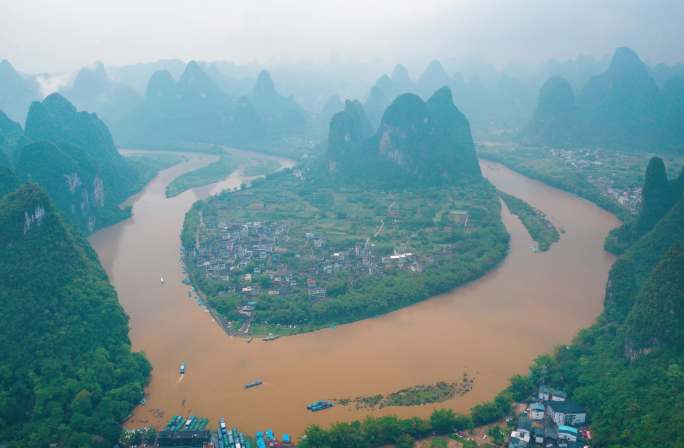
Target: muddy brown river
(491, 328)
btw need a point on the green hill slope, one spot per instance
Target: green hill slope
(67, 374)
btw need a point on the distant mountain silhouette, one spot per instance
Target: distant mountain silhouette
(196, 110)
(16, 92)
(622, 108)
(11, 138)
(94, 91)
(556, 119)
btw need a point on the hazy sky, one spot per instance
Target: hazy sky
(60, 35)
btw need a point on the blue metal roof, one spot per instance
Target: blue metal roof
(566, 428)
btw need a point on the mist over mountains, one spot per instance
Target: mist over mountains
(622, 107)
(500, 103)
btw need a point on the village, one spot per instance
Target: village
(595, 162)
(252, 259)
(551, 420)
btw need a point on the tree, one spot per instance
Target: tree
(443, 421)
(405, 441)
(150, 435)
(497, 434)
(521, 387)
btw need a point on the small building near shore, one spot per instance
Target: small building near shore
(549, 394)
(566, 413)
(536, 411)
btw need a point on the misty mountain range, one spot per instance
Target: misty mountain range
(498, 103)
(620, 108)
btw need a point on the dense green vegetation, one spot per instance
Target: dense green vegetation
(382, 431)
(206, 175)
(427, 222)
(659, 195)
(71, 154)
(627, 369)
(8, 181)
(11, 138)
(67, 374)
(379, 223)
(427, 142)
(535, 221)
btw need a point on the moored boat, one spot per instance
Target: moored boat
(254, 383)
(320, 405)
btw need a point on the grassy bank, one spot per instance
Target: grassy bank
(535, 221)
(214, 172)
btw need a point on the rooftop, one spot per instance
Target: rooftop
(566, 407)
(567, 429)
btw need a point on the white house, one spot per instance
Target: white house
(566, 413)
(522, 431)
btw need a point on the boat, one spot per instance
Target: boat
(162, 280)
(320, 405)
(182, 368)
(189, 422)
(271, 337)
(254, 383)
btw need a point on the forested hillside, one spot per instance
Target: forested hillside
(417, 142)
(628, 369)
(67, 375)
(658, 197)
(71, 154)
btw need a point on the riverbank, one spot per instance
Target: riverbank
(559, 291)
(294, 253)
(542, 231)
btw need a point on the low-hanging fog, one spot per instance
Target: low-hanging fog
(63, 35)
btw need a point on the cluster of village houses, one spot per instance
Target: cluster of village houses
(244, 254)
(628, 198)
(551, 420)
